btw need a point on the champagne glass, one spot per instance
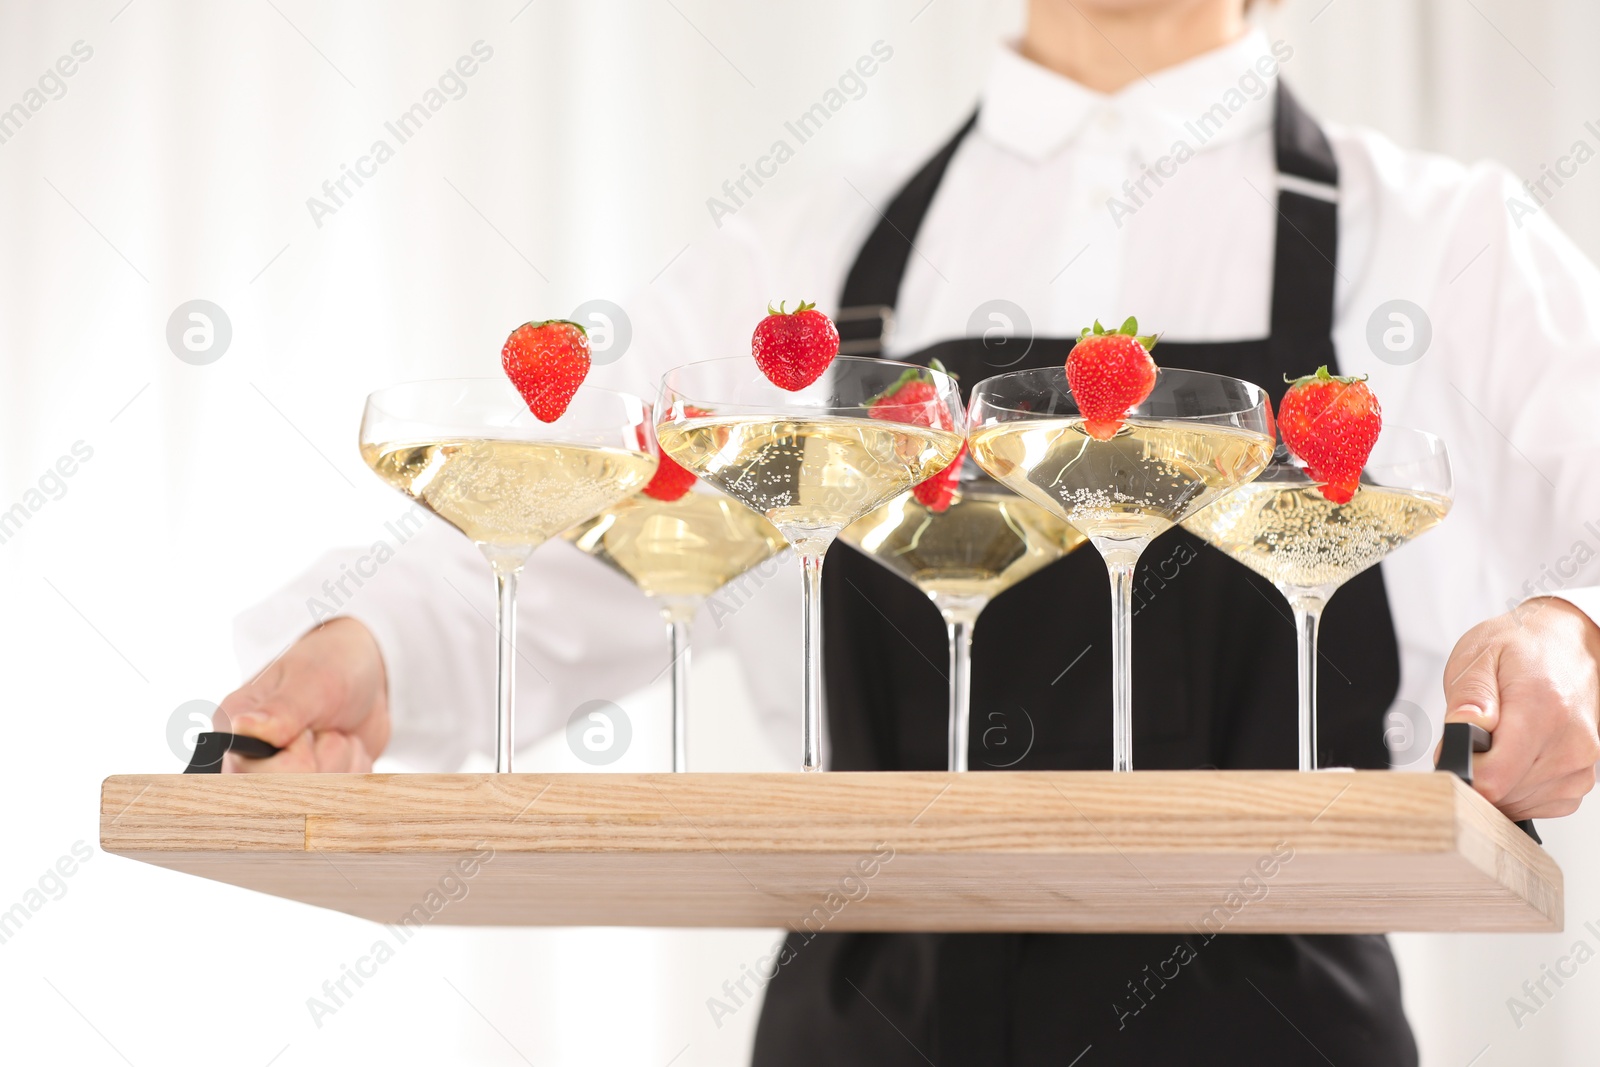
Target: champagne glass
(470, 451)
(961, 557)
(1196, 437)
(679, 552)
(812, 461)
(1284, 529)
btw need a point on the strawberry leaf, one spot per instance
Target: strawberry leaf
(1130, 327)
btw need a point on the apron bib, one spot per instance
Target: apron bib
(1214, 686)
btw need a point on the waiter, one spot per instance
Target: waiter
(1126, 158)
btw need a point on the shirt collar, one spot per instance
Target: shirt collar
(1036, 113)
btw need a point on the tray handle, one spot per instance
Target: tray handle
(1461, 740)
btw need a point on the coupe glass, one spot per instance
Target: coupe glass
(470, 451)
(679, 552)
(1194, 439)
(1284, 529)
(812, 461)
(986, 541)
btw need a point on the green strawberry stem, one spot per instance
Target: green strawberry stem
(1323, 377)
(556, 322)
(1129, 328)
(804, 306)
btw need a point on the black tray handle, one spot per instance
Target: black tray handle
(211, 746)
(1461, 740)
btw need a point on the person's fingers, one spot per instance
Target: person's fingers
(297, 757)
(1471, 686)
(339, 753)
(331, 680)
(1552, 799)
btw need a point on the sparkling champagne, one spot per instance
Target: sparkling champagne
(515, 494)
(684, 549)
(809, 475)
(985, 542)
(1300, 541)
(1131, 488)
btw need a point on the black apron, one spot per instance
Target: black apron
(1214, 686)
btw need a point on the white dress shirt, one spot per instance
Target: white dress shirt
(1510, 379)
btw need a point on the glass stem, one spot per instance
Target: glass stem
(811, 740)
(960, 631)
(1307, 615)
(1121, 660)
(505, 581)
(678, 632)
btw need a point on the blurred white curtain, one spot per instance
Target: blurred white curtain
(175, 163)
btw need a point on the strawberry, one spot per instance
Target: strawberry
(793, 348)
(1331, 424)
(547, 361)
(672, 480)
(939, 492)
(914, 399)
(1109, 374)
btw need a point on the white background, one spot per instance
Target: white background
(177, 166)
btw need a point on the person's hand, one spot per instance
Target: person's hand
(324, 702)
(1531, 677)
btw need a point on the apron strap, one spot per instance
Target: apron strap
(1307, 244)
(866, 310)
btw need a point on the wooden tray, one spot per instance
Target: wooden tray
(1150, 851)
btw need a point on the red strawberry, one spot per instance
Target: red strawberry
(547, 361)
(793, 348)
(1331, 424)
(939, 492)
(1109, 374)
(672, 480)
(913, 398)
